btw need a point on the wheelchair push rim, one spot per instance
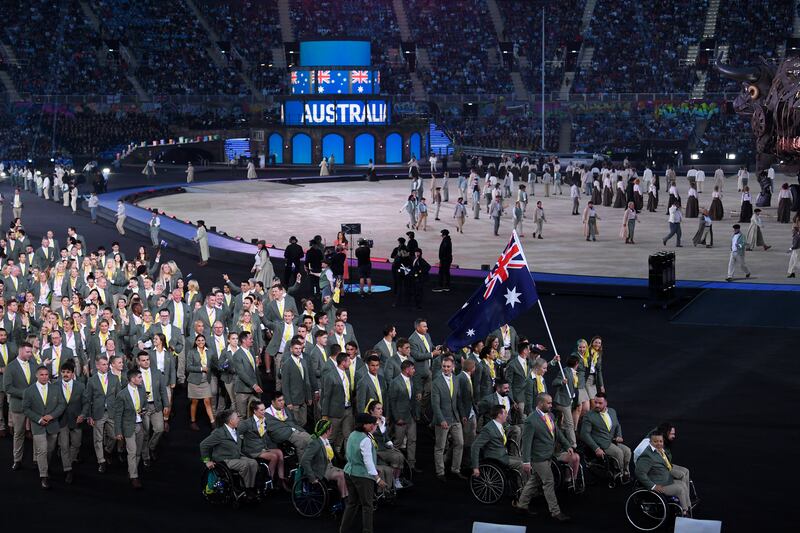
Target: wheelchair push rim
(646, 510)
(489, 486)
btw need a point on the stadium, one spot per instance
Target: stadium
(392, 173)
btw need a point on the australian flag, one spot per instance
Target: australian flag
(507, 292)
(301, 82)
(360, 82)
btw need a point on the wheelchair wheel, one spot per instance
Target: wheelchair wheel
(217, 486)
(489, 486)
(646, 510)
(513, 448)
(579, 486)
(558, 477)
(309, 499)
(514, 484)
(263, 479)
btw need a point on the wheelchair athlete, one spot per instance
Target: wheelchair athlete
(316, 460)
(601, 432)
(492, 441)
(655, 471)
(224, 445)
(257, 444)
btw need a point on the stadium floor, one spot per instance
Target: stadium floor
(729, 391)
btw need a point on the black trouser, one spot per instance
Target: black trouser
(444, 275)
(360, 499)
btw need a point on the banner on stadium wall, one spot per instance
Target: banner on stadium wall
(694, 108)
(598, 107)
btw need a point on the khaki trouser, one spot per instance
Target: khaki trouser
(341, 429)
(43, 446)
(735, 260)
(622, 454)
(222, 404)
(794, 261)
(18, 421)
(152, 419)
(538, 230)
(69, 444)
(300, 440)
(408, 431)
(17, 212)
(514, 433)
(242, 399)
(540, 481)
(103, 437)
(681, 476)
(679, 489)
(567, 424)
(278, 364)
(181, 356)
(245, 467)
(121, 224)
(134, 445)
(455, 433)
(300, 413)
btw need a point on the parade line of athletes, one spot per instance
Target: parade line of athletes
(94, 345)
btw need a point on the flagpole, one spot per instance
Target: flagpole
(553, 344)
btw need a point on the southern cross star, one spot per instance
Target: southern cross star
(512, 297)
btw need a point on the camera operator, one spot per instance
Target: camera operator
(364, 266)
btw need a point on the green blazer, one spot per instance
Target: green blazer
(466, 399)
(316, 357)
(421, 355)
(280, 431)
(272, 314)
(175, 342)
(538, 444)
(518, 378)
(401, 407)
(246, 376)
(74, 407)
(11, 353)
(296, 384)
(489, 444)
(169, 372)
(14, 383)
(34, 408)
(652, 470)
(332, 398)
(95, 402)
(220, 446)
(125, 411)
(390, 368)
(66, 355)
(314, 461)
(196, 374)
(381, 347)
(366, 392)
(253, 443)
(278, 330)
(563, 394)
(445, 407)
(484, 380)
(158, 389)
(512, 333)
(594, 431)
(533, 389)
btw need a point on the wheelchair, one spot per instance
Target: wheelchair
(223, 486)
(311, 500)
(648, 510)
(495, 481)
(562, 476)
(606, 468)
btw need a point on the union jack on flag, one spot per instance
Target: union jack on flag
(360, 76)
(507, 292)
(511, 258)
(294, 78)
(324, 76)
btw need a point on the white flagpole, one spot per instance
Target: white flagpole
(553, 344)
(546, 325)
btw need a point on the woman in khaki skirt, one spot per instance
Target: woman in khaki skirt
(199, 363)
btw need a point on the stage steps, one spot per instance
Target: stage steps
(11, 90)
(402, 20)
(140, 92)
(497, 18)
(588, 13)
(440, 142)
(520, 91)
(710, 28)
(796, 21)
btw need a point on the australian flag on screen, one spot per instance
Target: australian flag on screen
(301, 82)
(332, 82)
(360, 82)
(507, 292)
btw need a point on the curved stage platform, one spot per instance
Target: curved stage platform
(275, 209)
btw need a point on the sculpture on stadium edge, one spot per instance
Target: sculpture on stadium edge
(771, 98)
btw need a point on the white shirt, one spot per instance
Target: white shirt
(503, 400)
(134, 392)
(675, 215)
(407, 382)
(366, 454)
(345, 381)
(42, 390)
(232, 433)
(640, 449)
(735, 241)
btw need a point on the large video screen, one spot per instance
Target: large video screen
(340, 53)
(335, 81)
(338, 112)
